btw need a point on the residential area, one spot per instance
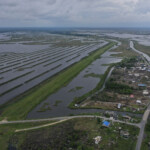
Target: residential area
(126, 90)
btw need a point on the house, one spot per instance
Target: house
(145, 92)
(76, 105)
(127, 118)
(142, 85)
(136, 74)
(125, 134)
(97, 139)
(138, 101)
(106, 124)
(119, 106)
(131, 96)
(143, 69)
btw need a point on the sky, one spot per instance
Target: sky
(74, 13)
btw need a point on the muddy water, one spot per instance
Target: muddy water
(68, 93)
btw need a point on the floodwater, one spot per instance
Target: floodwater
(66, 94)
(20, 48)
(20, 72)
(141, 39)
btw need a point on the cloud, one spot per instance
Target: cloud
(95, 13)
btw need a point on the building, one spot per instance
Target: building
(138, 101)
(127, 118)
(136, 74)
(145, 92)
(106, 124)
(119, 106)
(97, 139)
(142, 85)
(125, 134)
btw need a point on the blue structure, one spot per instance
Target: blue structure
(106, 123)
(142, 85)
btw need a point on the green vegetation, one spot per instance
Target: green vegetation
(57, 102)
(146, 139)
(44, 107)
(119, 88)
(128, 62)
(7, 130)
(76, 134)
(22, 105)
(103, 97)
(76, 88)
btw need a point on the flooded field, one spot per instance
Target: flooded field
(141, 39)
(24, 66)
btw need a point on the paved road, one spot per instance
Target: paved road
(67, 117)
(143, 123)
(141, 53)
(62, 119)
(147, 112)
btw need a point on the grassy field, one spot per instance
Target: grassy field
(7, 130)
(76, 134)
(20, 107)
(142, 48)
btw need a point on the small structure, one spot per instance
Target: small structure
(127, 118)
(110, 113)
(138, 101)
(136, 74)
(125, 134)
(76, 105)
(131, 96)
(119, 106)
(145, 92)
(142, 85)
(97, 139)
(106, 124)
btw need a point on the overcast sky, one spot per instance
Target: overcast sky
(74, 13)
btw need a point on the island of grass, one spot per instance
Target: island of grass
(75, 89)
(22, 105)
(75, 134)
